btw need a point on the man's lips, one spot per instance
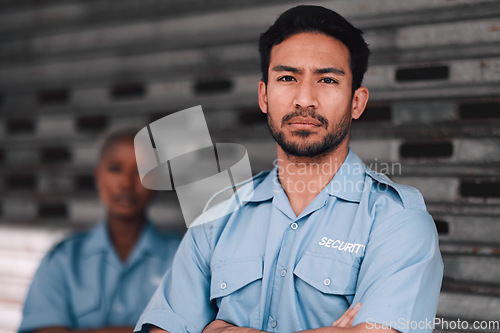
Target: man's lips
(304, 122)
(125, 199)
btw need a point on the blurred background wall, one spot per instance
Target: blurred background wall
(71, 70)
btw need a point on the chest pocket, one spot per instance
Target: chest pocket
(324, 287)
(87, 308)
(328, 275)
(234, 275)
(236, 287)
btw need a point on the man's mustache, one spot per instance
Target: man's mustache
(304, 112)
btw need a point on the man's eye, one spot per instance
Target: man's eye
(287, 78)
(328, 80)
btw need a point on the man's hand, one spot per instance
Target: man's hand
(347, 318)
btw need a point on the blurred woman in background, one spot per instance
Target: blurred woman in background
(103, 279)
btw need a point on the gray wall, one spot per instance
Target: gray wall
(71, 70)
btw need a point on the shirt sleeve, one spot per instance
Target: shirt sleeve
(401, 273)
(46, 304)
(182, 301)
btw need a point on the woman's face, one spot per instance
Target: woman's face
(118, 181)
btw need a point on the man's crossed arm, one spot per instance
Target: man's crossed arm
(343, 324)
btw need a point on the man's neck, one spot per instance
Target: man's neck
(303, 178)
(124, 233)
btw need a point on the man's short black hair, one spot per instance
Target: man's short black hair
(316, 19)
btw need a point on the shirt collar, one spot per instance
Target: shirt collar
(150, 242)
(99, 241)
(347, 184)
(264, 184)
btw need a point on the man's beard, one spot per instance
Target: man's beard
(334, 137)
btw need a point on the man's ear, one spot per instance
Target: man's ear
(359, 101)
(263, 96)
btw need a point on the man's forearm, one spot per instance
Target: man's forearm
(57, 329)
(219, 326)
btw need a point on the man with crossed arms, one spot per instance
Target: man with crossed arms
(323, 236)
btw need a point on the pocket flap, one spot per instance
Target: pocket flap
(233, 275)
(328, 275)
(85, 301)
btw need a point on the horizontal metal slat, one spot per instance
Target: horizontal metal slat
(37, 240)
(142, 35)
(10, 316)
(468, 306)
(472, 268)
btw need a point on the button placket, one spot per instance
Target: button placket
(118, 307)
(116, 299)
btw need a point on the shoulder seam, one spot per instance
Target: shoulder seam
(401, 189)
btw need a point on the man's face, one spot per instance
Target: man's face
(119, 184)
(308, 98)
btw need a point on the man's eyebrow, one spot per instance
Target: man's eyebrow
(332, 70)
(284, 68)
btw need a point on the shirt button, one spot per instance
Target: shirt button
(294, 225)
(274, 323)
(283, 272)
(326, 282)
(223, 285)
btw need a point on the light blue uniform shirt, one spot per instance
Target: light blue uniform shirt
(362, 239)
(82, 284)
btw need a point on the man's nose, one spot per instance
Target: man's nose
(127, 180)
(305, 95)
